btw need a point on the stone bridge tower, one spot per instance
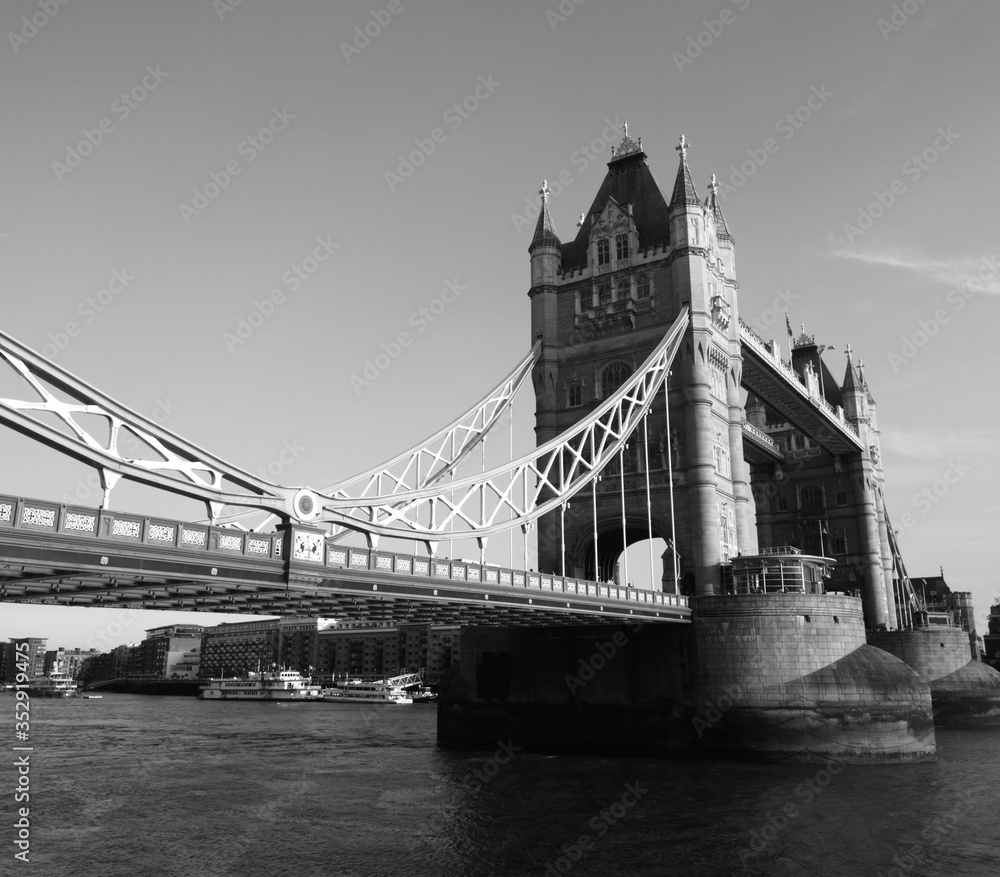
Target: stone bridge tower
(600, 303)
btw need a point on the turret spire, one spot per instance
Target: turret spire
(721, 228)
(684, 192)
(545, 232)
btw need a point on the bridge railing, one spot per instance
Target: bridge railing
(36, 515)
(111, 528)
(446, 569)
(761, 436)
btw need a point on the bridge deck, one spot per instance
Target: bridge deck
(51, 553)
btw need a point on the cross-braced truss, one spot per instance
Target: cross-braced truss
(179, 466)
(521, 491)
(402, 498)
(438, 456)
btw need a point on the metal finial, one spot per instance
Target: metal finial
(682, 147)
(714, 185)
(582, 217)
(544, 191)
(849, 350)
(625, 127)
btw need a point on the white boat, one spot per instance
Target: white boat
(55, 685)
(284, 685)
(387, 691)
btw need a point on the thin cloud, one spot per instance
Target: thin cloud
(957, 271)
(936, 446)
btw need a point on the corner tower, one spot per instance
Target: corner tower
(636, 260)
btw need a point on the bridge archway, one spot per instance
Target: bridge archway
(611, 546)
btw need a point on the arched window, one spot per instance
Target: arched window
(812, 497)
(621, 247)
(614, 376)
(603, 251)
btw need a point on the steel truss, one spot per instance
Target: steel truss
(519, 492)
(182, 467)
(402, 498)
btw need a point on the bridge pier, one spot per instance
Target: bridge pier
(760, 677)
(964, 691)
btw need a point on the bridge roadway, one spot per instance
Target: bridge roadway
(75, 556)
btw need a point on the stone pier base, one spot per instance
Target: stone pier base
(964, 692)
(761, 677)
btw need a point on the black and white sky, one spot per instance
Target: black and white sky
(169, 169)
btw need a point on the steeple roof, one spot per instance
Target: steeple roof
(851, 381)
(684, 192)
(721, 229)
(545, 232)
(629, 181)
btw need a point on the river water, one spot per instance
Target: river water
(133, 785)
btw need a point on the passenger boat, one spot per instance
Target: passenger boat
(388, 691)
(55, 685)
(284, 685)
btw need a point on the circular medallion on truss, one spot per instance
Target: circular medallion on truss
(306, 505)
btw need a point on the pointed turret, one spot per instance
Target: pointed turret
(852, 391)
(721, 229)
(684, 192)
(545, 248)
(545, 232)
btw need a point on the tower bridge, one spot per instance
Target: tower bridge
(659, 414)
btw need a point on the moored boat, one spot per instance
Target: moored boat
(284, 685)
(388, 691)
(54, 685)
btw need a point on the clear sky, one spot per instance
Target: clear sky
(168, 166)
